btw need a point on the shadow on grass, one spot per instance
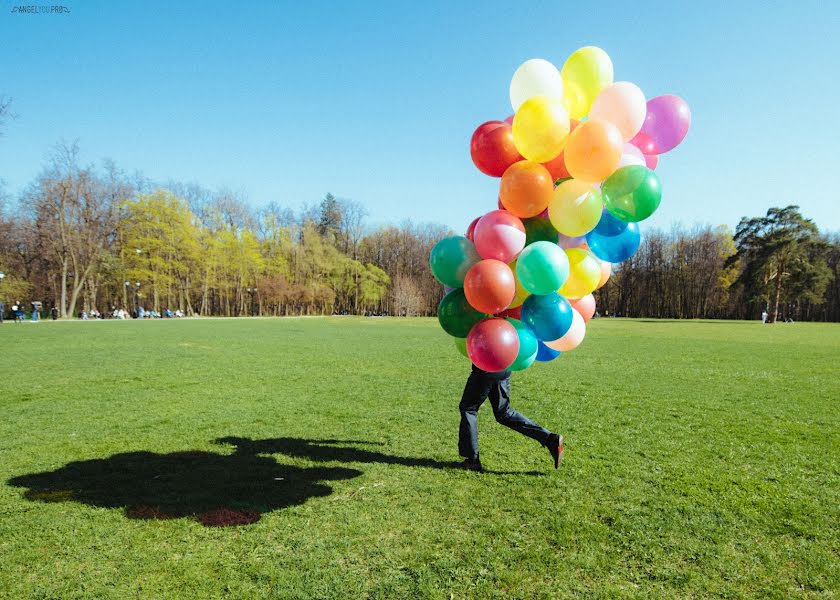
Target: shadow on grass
(215, 489)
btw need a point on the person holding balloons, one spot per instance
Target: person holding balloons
(576, 166)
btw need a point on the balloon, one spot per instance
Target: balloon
(585, 73)
(451, 258)
(447, 289)
(585, 306)
(606, 271)
(584, 273)
(632, 193)
(651, 161)
(489, 286)
(527, 346)
(557, 165)
(471, 229)
(535, 77)
(493, 344)
(511, 313)
(572, 338)
(546, 354)
(542, 267)
(667, 121)
(549, 315)
(492, 149)
(461, 345)
(526, 188)
(630, 155)
(509, 120)
(613, 240)
(575, 207)
(499, 235)
(538, 229)
(521, 292)
(593, 150)
(643, 142)
(623, 105)
(540, 128)
(565, 241)
(456, 316)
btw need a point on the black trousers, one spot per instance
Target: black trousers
(496, 386)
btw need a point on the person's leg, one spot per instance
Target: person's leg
(500, 400)
(475, 392)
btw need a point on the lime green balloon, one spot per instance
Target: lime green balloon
(527, 346)
(632, 193)
(538, 229)
(461, 345)
(586, 72)
(456, 316)
(575, 207)
(451, 258)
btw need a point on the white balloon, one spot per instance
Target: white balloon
(631, 155)
(535, 77)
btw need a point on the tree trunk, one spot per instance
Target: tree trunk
(779, 274)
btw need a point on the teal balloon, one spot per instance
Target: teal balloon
(461, 345)
(548, 316)
(451, 258)
(456, 316)
(542, 267)
(632, 193)
(538, 229)
(528, 346)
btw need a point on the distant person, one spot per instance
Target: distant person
(764, 317)
(36, 315)
(54, 313)
(2, 312)
(84, 315)
(141, 313)
(496, 386)
(18, 311)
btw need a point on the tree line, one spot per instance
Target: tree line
(93, 238)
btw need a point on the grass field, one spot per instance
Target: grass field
(311, 458)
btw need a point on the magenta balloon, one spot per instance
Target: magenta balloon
(499, 235)
(667, 121)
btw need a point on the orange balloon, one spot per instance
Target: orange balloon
(489, 286)
(606, 271)
(526, 188)
(593, 150)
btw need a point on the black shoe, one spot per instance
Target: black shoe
(471, 464)
(555, 448)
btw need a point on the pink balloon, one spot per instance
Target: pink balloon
(643, 142)
(471, 229)
(509, 120)
(585, 306)
(499, 235)
(651, 160)
(666, 123)
(566, 242)
(493, 344)
(573, 337)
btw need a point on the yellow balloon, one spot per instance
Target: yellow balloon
(586, 72)
(575, 207)
(540, 128)
(521, 292)
(584, 274)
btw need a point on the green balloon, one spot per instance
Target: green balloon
(542, 267)
(632, 193)
(461, 345)
(527, 346)
(538, 229)
(456, 316)
(451, 258)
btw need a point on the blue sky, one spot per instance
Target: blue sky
(376, 101)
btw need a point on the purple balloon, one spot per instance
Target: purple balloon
(667, 121)
(565, 241)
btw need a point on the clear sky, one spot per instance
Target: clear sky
(376, 101)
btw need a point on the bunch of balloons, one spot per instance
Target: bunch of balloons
(577, 163)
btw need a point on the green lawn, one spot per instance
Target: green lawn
(702, 461)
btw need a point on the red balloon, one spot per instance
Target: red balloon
(645, 143)
(499, 235)
(499, 203)
(493, 344)
(471, 229)
(492, 148)
(490, 286)
(512, 313)
(509, 120)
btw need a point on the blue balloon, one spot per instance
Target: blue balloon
(545, 354)
(549, 315)
(613, 240)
